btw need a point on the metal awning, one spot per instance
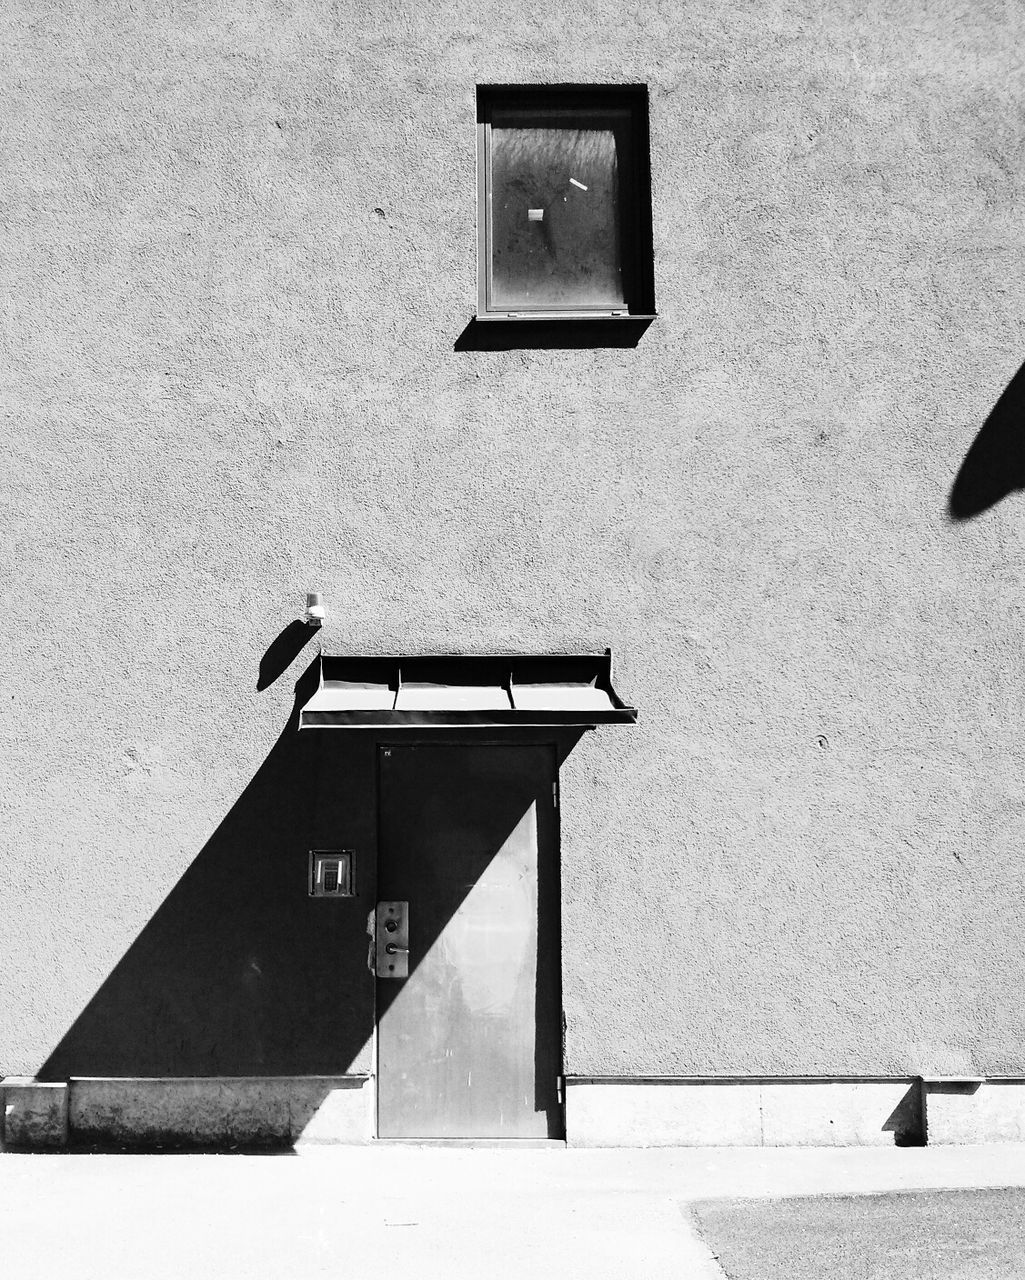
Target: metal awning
(452, 691)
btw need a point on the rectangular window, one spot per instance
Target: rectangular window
(564, 203)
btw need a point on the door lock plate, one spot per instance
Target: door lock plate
(391, 940)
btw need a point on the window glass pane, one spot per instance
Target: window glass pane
(555, 215)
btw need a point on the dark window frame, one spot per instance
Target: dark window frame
(634, 202)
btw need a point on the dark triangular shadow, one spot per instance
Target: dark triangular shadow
(907, 1120)
(240, 972)
(994, 466)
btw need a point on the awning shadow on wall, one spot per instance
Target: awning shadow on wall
(240, 973)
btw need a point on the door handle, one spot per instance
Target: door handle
(391, 940)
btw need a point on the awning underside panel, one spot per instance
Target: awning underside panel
(563, 689)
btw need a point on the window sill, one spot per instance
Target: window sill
(565, 317)
(552, 331)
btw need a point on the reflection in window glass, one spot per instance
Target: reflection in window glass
(555, 216)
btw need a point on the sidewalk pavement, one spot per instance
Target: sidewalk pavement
(424, 1212)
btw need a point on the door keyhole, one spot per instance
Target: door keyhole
(391, 940)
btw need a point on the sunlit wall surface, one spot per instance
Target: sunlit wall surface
(239, 253)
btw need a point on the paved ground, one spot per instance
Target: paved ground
(905, 1235)
(403, 1212)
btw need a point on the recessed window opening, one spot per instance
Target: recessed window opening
(564, 203)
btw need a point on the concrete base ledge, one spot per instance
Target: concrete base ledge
(802, 1112)
(600, 1111)
(35, 1115)
(742, 1113)
(970, 1110)
(242, 1111)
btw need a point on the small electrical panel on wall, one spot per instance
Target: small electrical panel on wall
(331, 873)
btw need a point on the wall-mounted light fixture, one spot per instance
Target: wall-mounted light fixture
(314, 609)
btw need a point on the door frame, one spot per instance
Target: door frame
(455, 738)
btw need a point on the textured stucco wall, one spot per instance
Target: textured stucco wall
(238, 248)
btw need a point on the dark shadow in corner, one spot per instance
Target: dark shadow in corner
(994, 466)
(551, 335)
(283, 651)
(907, 1120)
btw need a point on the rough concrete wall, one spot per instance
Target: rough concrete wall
(239, 972)
(239, 246)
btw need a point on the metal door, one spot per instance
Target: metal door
(469, 1043)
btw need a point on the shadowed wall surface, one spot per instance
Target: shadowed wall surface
(240, 245)
(240, 972)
